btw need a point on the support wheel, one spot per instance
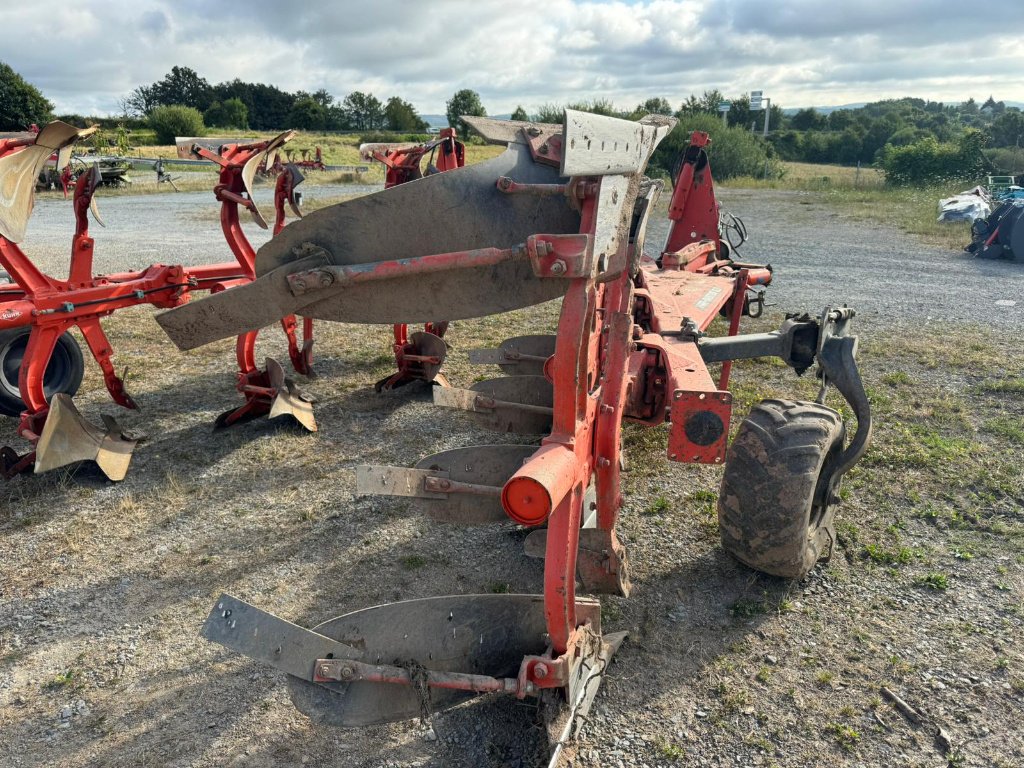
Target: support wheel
(775, 510)
(63, 374)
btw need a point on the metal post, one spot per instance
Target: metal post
(767, 114)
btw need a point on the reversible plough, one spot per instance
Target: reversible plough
(41, 362)
(561, 214)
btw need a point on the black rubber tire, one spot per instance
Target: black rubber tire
(63, 374)
(772, 513)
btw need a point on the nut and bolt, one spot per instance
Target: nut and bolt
(558, 267)
(540, 671)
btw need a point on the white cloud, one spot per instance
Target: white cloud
(529, 52)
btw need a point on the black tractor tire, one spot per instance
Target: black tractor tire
(775, 509)
(63, 374)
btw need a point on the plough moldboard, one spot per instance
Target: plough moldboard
(561, 214)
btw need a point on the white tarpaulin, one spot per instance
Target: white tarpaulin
(967, 206)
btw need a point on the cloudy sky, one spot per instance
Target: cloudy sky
(86, 55)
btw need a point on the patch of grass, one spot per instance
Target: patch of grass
(70, 679)
(1008, 386)
(499, 587)
(658, 507)
(824, 678)
(414, 562)
(764, 674)
(846, 736)
(896, 378)
(733, 700)
(1006, 427)
(671, 751)
(937, 581)
(746, 608)
(883, 556)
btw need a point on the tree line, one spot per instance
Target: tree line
(261, 107)
(910, 139)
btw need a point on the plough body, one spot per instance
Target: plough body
(561, 214)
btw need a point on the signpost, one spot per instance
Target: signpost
(724, 107)
(759, 102)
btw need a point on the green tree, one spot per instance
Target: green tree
(401, 116)
(232, 113)
(551, 113)
(308, 115)
(733, 151)
(1007, 130)
(236, 114)
(175, 120)
(840, 119)
(464, 102)
(363, 111)
(595, 106)
(139, 102)
(707, 102)
(183, 85)
(520, 114)
(807, 120)
(21, 103)
(655, 106)
(267, 107)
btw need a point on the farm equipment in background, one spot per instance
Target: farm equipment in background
(418, 356)
(40, 362)
(561, 213)
(1001, 234)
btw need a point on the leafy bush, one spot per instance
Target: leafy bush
(733, 151)
(930, 161)
(176, 120)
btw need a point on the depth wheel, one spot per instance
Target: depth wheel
(63, 374)
(775, 509)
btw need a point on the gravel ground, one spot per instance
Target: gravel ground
(104, 587)
(160, 228)
(821, 256)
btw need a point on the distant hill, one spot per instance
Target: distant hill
(789, 111)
